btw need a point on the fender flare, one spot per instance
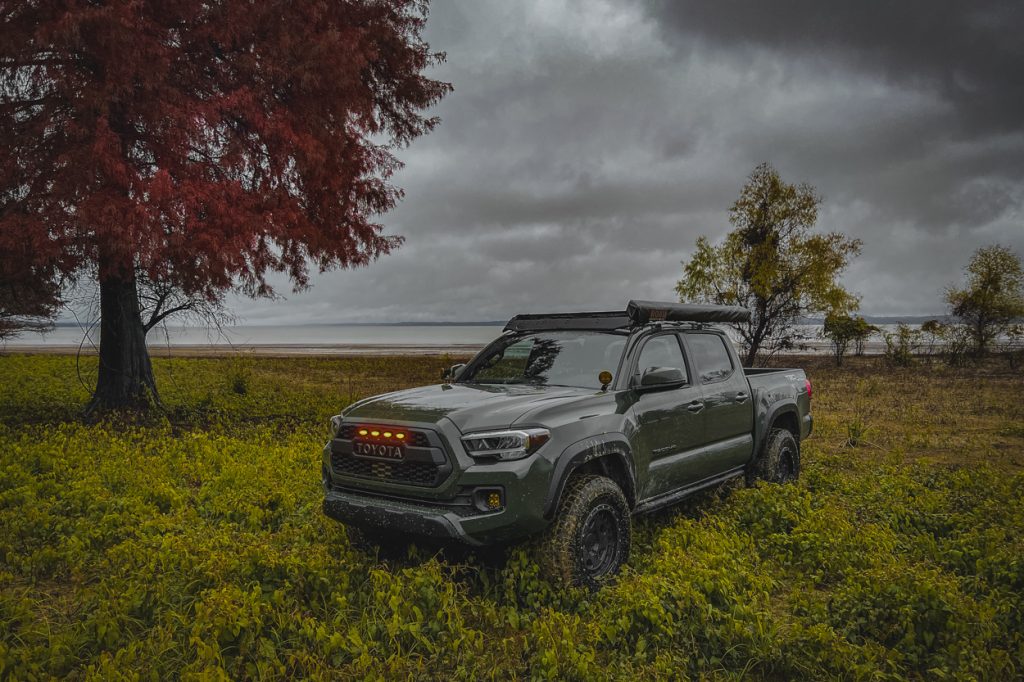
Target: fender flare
(787, 407)
(579, 453)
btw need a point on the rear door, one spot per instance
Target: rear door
(729, 415)
(670, 422)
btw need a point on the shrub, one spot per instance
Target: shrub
(900, 346)
(194, 547)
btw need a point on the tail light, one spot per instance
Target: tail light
(807, 383)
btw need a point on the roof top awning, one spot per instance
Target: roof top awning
(637, 313)
(642, 312)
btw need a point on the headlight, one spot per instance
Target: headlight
(505, 445)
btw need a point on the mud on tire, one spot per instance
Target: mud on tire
(779, 461)
(590, 538)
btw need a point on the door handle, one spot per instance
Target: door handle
(741, 397)
(695, 407)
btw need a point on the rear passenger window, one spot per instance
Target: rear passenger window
(661, 351)
(710, 356)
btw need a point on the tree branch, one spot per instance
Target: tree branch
(156, 318)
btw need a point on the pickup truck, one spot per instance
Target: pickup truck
(562, 429)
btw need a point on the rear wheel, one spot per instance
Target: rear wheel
(590, 538)
(780, 460)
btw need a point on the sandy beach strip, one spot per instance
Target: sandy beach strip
(259, 350)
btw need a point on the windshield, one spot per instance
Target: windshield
(562, 358)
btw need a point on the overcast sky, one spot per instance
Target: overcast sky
(589, 143)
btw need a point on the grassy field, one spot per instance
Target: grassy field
(192, 545)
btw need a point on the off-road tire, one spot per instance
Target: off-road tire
(591, 535)
(779, 461)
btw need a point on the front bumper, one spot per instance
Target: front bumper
(386, 514)
(440, 511)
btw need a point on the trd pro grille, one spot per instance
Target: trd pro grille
(416, 438)
(425, 463)
(413, 473)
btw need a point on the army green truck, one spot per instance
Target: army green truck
(562, 429)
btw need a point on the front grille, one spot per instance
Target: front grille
(425, 463)
(416, 438)
(414, 473)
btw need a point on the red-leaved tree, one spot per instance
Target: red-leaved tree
(202, 144)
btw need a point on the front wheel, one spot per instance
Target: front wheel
(780, 460)
(590, 538)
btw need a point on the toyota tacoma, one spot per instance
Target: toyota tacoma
(564, 428)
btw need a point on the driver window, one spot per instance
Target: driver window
(511, 364)
(662, 351)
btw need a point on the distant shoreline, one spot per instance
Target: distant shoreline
(815, 321)
(490, 323)
(261, 350)
(279, 350)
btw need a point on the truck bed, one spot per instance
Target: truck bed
(772, 386)
(761, 371)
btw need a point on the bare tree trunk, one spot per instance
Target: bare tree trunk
(125, 371)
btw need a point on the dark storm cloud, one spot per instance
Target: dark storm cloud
(970, 52)
(589, 143)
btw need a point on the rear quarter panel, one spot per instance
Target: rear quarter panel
(778, 392)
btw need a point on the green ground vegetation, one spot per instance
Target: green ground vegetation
(191, 545)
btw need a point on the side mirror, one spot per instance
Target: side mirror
(662, 377)
(452, 372)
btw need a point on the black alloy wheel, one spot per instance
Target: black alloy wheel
(600, 541)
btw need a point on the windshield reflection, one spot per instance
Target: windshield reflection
(562, 358)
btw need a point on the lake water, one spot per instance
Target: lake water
(326, 339)
(297, 335)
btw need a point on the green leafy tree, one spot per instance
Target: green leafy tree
(992, 297)
(864, 331)
(772, 264)
(842, 330)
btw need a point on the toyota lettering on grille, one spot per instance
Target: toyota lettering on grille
(379, 450)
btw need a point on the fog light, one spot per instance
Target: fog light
(494, 500)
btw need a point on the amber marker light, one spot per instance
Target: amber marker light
(400, 436)
(374, 433)
(363, 432)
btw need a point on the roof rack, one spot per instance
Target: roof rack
(637, 313)
(603, 321)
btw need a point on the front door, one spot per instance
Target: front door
(670, 421)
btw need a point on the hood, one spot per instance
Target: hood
(472, 407)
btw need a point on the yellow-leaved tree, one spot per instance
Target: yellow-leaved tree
(992, 297)
(772, 263)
